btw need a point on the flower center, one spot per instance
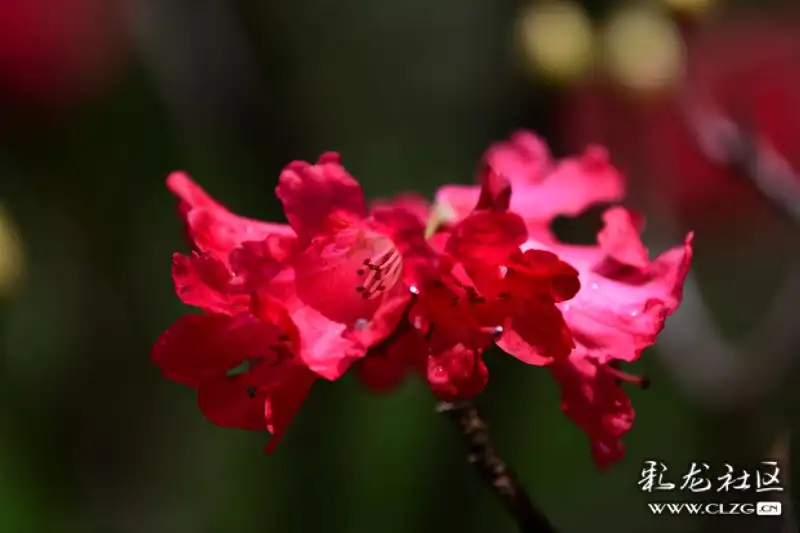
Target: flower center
(380, 271)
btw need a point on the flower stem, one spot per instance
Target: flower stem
(484, 458)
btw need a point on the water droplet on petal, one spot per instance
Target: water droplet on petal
(439, 373)
(413, 290)
(361, 324)
(503, 271)
(417, 322)
(497, 332)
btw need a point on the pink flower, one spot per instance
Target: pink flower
(624, 297)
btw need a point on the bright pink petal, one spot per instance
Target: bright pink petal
(212, 228)
(203, 281)
(316, 196)
(619, 311)
(574, 185)
(459, 199)
(200, 347)
(620, 239)
(524, 159)
(593, 399)
(541, 189)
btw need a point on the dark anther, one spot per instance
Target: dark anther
(360, 289)
(251, 392)
(503, 295)
(367, 262)
(284, 337)
(360, 272)
(645, 383)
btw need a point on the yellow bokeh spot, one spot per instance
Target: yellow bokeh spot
(690, 7)
(556, 39)
(11, 255)
(643, 49)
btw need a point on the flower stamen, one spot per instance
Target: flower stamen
(381, 272)
(624, 377)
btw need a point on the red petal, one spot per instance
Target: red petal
(383, 322)
(255, 263)
(347, 275)
(487, 237)
(388, 363)
(597, 404)
(411, 205)
(212, 228)
(284, 400)
(537, 334)
(324, 347)
(199, 347)
(264, 398)
(315, 196)
(203, 281)
(228, 402)
(495, 191)
(540, 273)
(457, 373)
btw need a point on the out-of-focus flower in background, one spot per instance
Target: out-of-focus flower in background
(55, 53)
(743, 70)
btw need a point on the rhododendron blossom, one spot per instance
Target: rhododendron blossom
(404, 286)
(624, 297)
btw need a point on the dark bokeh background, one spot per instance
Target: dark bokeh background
(99, 100)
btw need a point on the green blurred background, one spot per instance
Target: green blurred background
(99, 100)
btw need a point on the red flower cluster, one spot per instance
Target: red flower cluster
(407, 286)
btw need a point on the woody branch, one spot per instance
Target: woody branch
(492, 469)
